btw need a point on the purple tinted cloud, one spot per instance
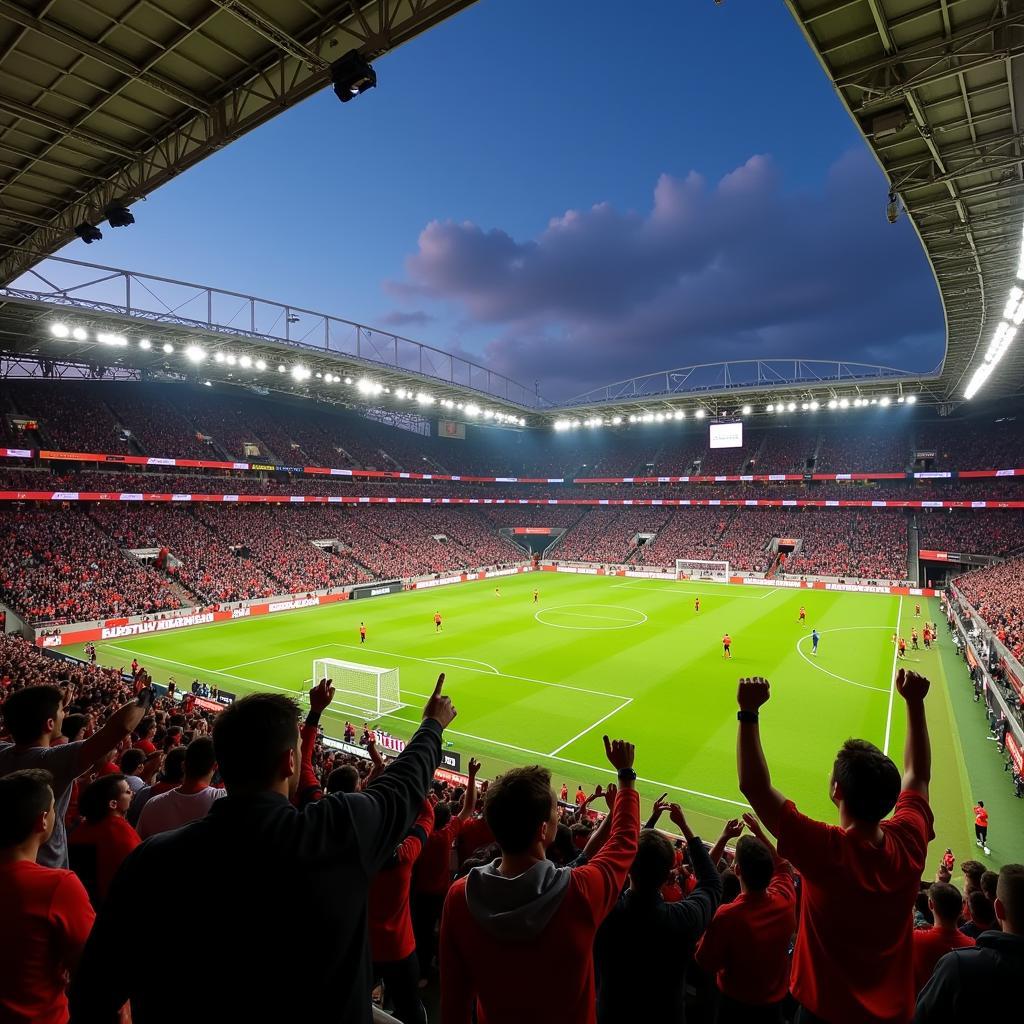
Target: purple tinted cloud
(735, 270)
(401, 318)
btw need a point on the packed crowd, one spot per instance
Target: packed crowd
(57, 565)
(395, 880)
(996, 533)
(997, 592)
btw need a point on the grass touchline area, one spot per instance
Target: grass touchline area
(541, 682)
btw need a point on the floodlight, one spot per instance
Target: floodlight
(231, 359)
(218, 357)
(168, 347)
(79, 334)
(281, 368)
(299, 372)
(261, 364)
(791, 407)
(884, 400)
(833, 404)
(194, 354)
(804, 406)
(679, 414)
(911, 399)
(472, 409)
(352, 75)
(648, 417)
(118, 215)
(769, 408)
(632, 418)
(660, 417)
(60, 330)
(144, 344)
(88, 233)
(699, 414)
(245, 362)
(844, 403)
(616, 420)
(348, 380)
(815, 406)
(746, 410)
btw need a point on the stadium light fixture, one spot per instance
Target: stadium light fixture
(648, 417)
(659, 417)
(900, 400)
(424, 399)
(299, 372)
(791, 407)
(218, 357)
(884, 400)
(700, 414)
(348, 380)
(746, 410)
(472, 409)
(79, 334)
(911, 399)
(88, 233)
(319, 375)
(833, 404)
(168, 348)
(194, 354)
(489, 415)
(60, 330)
(844, 403)
(144, 344)
(874, 401)
(118, 215)
(231, 360)
(616, 420)
(770, 407)
(115, 340)
(815, 406)
(804, 406)
(261, 365)
(281, 368)
(352, 75)
(245, 362)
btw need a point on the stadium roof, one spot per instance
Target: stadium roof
(937, 87)
(103, 101)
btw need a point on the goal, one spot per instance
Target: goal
(702, 569)
(371, 691)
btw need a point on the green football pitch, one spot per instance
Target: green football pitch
(541, 683)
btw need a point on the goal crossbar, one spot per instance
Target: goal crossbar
(702, 569)
(368, 689)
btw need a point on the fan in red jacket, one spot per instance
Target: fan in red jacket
(392, 943)
(507, 925)
(931, 944)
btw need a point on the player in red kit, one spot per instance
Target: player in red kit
(437, 622)
(362, 632)
(696, 604)
(902, 647)
(803, 614)
(727, 646)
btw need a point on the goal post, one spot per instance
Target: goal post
(702, 569)
(371, 691)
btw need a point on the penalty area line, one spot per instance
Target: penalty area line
(581, 764)
(580, 735)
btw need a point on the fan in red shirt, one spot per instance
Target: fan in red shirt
(931, 944)
(580, 798)
(97, 848)
(517, 934)
(45, 912)
(392, 943)
(433, 874)
(746, 946)
(853, 959)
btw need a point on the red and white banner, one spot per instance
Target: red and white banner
(350, 499)
(466, 577)
(1013, 748)
(116, 629)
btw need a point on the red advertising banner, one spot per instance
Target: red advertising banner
(350, 499)
(1012, 677)
(542, 531)
(1013, 748)
(937, 556)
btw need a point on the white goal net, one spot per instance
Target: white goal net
(370, 691)
(702, 569)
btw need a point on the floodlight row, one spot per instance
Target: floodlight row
(1005, 332)
(197, 355)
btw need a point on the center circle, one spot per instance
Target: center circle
(597, 616)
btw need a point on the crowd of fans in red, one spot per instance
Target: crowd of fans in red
(997, 592)
(507, 904)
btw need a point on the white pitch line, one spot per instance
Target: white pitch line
(472, 661)
(842, 679)
(586, 615)
(273, 657)
(579, 735)
(504, 675)
(892, 685)
(582, 764)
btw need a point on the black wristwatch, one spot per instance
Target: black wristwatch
(626, 775)
(747, 716)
